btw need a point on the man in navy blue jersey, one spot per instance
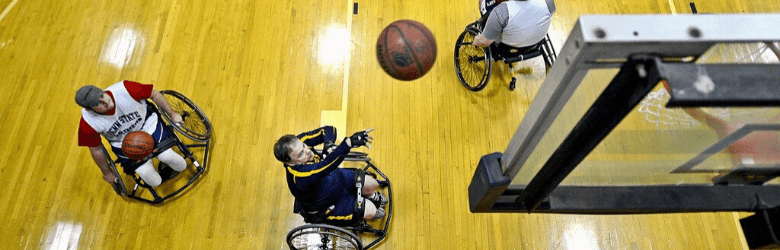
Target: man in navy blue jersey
(317, 182)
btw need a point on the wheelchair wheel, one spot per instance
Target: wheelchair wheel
(473, 64)
(321, 236)
(548, 52)
(196, 125)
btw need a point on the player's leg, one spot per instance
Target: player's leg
(369, 186)
(170, 157)
(173, 159)
(148, 174)
(372, 212)
(370, 192)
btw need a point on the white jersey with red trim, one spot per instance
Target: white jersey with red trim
(129, 116)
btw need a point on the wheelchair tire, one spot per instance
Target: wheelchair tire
(321, 236)
(196, 125)
(473, 64)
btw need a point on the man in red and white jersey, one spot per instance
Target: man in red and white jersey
(114, 113)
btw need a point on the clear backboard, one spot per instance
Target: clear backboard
(603, 125)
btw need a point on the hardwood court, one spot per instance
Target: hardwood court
(262, 69)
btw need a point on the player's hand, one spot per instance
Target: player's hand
(109, 177)
(177, 119)
(482, 41)
(361, 139)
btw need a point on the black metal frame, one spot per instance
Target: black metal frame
(645, 199)
(694, 85)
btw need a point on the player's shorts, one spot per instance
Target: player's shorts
(344, 211)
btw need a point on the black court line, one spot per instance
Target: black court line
(693, 8)
(354, 8)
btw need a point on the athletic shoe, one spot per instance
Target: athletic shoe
(379, 200)
(379, 214)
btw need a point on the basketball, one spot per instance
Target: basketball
(406, 50)
(137, 145)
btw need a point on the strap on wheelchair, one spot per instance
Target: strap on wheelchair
(360, 202)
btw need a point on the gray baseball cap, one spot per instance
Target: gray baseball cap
(88, 96)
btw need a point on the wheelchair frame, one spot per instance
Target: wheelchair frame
(200, 140)
(349, 233)
(543, 48)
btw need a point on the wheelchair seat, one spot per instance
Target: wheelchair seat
(196, 128)
(324, 234)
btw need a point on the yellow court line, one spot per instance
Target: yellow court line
(671, 5)
(338, 118)
(7, 9)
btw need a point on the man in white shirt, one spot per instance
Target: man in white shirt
(518, 24)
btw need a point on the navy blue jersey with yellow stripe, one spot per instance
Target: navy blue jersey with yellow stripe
(317, 184)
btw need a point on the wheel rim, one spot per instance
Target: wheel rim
(473, 64)
(319, 236)
(196, 126)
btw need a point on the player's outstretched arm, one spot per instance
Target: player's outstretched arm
(101, 159)
(719, 125)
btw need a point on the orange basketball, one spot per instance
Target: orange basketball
(406, 50)
(137, 145)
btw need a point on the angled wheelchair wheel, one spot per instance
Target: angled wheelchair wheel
(548, 53)
(473, 64)
(196, 125)
(321, 236)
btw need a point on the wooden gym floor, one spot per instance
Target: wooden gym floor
(262, 69)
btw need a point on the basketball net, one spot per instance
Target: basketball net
(654, 105)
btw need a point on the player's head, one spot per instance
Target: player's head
(94, 98)
(291, 150)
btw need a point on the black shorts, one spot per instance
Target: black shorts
(345, 212)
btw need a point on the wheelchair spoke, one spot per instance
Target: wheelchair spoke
(195, 125)
(472, 63)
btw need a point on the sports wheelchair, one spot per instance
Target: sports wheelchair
(324, 236)
(195, 127)
(474, 64)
